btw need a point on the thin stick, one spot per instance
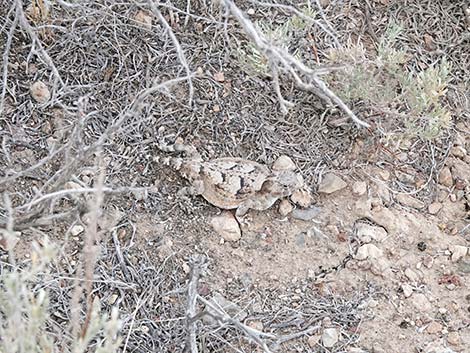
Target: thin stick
(34, 37)
(293, 66)
(179, 50)
(222, 316)
(197, 264)
(6, 55)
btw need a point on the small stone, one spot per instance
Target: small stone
(420, 302)
(434, 327)
(407, 290)
(257, 325)
(453, 338)
(379, 266)
(368, 251)
(329, 337)
(422, 246)
(227, 226)
(186, 268)
(40, 92)
(216, 108)
(250, 11)
(458, 151)
(331, 183)
(366, 233)
(451, 286)
(144, 19)
(112, 299)
(410, 201)
(284, 163)
(384, 174)
(359, 188)
(305, 214)
(285, 207)
(428, 261)
(458, 252)
(460, 169)
(313, 341)
(411, 275)
(77, 229)
(435, 207)
(383, 192)
(445, 177)
(302, 197)
(300, 240)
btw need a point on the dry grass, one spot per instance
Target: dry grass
(117, 86)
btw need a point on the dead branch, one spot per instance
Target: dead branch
(221, 316)
(6, 55)
(197, 264)
(179, 50)
(305, 77)
(24, 24)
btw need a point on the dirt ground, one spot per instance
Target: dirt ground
(381, 265)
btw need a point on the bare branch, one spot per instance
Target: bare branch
(197, 266)
(179, 50)
(6, 55)
(305, 77)
(34, 37)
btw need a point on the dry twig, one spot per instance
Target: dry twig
(305, 77)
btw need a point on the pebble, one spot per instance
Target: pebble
(411, 275)
(368, 251)
(383, 192)
(410, 201)
(458, 151)
(407, 290)
(257, 325)
(283, 163)
(384, 174)
(435, 207)
(312, 341)
(331, 183)
(227, 226)
(40, 92)
(329, 337)
(285, 207)
(420, 302)
(445, 177)
(366, 233)
(428, 261)
(77, 229)
(460, 170)
(458, 252)
(112, 299)
(434, 327)
(302, 197)
(359, 188)
(453, 338)
(306, 214)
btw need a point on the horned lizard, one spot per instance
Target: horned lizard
(235, 183)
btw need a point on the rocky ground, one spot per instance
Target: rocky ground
(379, 263)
